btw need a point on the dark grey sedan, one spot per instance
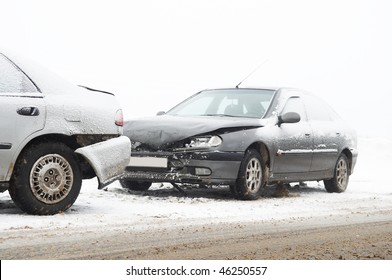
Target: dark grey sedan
(245, 138)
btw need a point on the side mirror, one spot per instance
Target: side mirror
(160, 113)
(289, 117)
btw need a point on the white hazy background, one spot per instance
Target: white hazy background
(153, 54)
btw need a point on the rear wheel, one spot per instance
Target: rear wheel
(341, 175)
(135, 185)
(250, 179)
(46, 179)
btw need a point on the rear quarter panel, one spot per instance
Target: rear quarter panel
(81, 112)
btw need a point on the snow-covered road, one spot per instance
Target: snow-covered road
(367, 199)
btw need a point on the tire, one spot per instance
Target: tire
(250, 180)
(46, 179)
(135, 185)
(339, 182)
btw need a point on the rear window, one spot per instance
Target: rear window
(12, 79)
(318, 110)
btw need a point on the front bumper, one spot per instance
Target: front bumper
(195, 167)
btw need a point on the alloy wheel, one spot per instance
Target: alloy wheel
(51, 178)
(253, 175)
(342, 173)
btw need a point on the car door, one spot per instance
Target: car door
(294, 141)
(326, 132)
(22, 112)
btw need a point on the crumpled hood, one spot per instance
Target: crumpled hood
(159, 131)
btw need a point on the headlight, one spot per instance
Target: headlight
(204, 142)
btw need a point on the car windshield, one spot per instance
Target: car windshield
(244, 103)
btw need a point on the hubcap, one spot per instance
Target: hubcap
(51, 178)
(253, 175)
(342, 174)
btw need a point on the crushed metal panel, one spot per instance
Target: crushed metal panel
(108, 158)
(160, 130)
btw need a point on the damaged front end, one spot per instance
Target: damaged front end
(195, 160)
(192, 150)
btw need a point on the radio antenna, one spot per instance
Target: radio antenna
(254, 70)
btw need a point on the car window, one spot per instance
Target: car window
(226, 103)
(12, 80)
(249, 103)
(318, 110)
(295, 104)
(199, 107)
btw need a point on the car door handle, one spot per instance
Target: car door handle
(307, 134)
(28, 111)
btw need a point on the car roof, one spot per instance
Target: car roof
(46, 80)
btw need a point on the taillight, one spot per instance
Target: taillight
(119, 119)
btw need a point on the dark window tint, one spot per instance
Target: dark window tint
(12, 80)
(295, 104)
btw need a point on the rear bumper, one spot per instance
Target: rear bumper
(108, 158)
(209, 168)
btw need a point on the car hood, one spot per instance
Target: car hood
(160, 131)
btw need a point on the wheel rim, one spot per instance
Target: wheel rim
(51, 178)
(342, 174)
(253, 175)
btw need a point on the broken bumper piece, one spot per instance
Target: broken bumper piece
(108, 158)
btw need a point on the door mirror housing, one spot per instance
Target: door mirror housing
(289, 117)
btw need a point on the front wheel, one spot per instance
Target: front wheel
(46, 179)
(339, 181)
(250, 179)
(135, 185)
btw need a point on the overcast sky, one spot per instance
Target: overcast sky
(153, 54)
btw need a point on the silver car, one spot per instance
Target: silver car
(54, 134)
(244, 138)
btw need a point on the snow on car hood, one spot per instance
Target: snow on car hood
(162, 130)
